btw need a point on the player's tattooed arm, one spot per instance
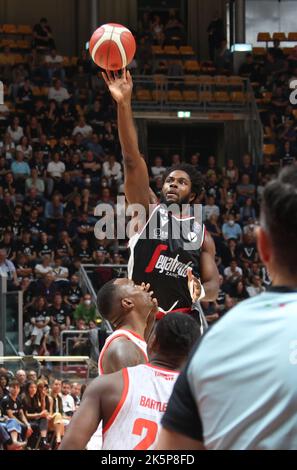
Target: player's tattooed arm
(120, 354)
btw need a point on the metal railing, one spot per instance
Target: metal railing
(160, 92)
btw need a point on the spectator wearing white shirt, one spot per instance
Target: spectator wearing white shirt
(211, 208)
(56, 168)
(83, 128)
(60, 272)
(44, 268)
(233, 272)
(7, 268)
(54, 63)
(25, 147)
(7, 147)
(67, 401)
(158, 169)
(15, 130)
(256, 287)
(58, 93)
(112, 170)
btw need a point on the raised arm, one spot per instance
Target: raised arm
(135, 169)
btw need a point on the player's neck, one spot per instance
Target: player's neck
(163, 363)
(282, 280)
(134, 326)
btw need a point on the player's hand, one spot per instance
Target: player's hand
(194, 286)
(120, 87)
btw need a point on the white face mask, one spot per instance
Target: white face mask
(87, 302)
(231, 223)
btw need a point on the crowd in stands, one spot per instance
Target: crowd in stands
(60, 158)
(35, 411)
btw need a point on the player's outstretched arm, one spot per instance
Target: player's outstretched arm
(209, 270)
(136, 174)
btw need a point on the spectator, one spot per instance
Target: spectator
(41, 270)
(211, 208)
(59, 313)
(19, 167)
(21, 377)
(12, 408)
(75, 393)
(54, 63)
(256, 287)
(233, 272)
(15, 130)
(231, 229)
(58, 93)
(56, 168)
(35, 182)
(245, 190)
(74, 292)
(67, 400)
(7, 269)
(42, 32)
(36, 417)
(86, 310)
(55, 419)
(39, 319)
(112, 170)
(83, 128)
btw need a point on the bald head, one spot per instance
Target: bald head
(120, 297)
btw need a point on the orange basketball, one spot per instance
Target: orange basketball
(112, 46)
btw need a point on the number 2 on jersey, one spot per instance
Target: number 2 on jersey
(152, 430)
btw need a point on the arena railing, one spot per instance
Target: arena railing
(157, 94)
(11, 319)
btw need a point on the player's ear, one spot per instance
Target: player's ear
(127, 303)
(264, 245)
(192, 197)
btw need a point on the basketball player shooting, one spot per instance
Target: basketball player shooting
(158, 256)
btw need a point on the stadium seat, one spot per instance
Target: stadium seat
(23, 44)
(19, 59)
(143, 95)
(221, 80)
(9, 29)
(24, 29)
(269, 149)
(292, 37)
(235, 80)
(174, 95)
(279, 37)
(192, 66)
(205, 96)
(288, 50)
(74, 60)
(206, 80)
(238, 97)
(267, 95)
(157, 50)
(186, 50)
(66, 61)
(263, 37)
(159, 79)
(190, 80)
(159, 95)
(221, 96)
(190, 95)
(171, 50)
(259, 51)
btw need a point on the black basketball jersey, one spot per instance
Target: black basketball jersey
(162, 253)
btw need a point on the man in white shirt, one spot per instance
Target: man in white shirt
(256, 287)
(58, 93)
(83, 128)
(211, 208)
(7, 269)
(67, 401)
(44, 268)
(233, 271)
(112, 170)
(56, 168)
(158, 169)
(54, 63)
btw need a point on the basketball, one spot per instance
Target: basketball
(112, 46)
